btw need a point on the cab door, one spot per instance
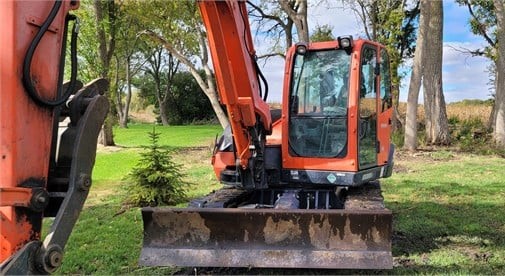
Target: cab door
(367, 119)
(385, 108)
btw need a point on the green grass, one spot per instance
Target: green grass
(449, 209)
(449, 214)
(173, 136)
(112, 166)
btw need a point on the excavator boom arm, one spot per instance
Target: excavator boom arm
(233, 56)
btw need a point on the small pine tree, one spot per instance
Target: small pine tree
(156, 179)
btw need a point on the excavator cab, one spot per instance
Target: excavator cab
(337, 114)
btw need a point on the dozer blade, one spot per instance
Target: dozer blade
(234, 237)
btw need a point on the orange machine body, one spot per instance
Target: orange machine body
(25, 128)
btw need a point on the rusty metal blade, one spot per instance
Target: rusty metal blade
(231, 237)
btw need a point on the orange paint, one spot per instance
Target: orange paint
(221, 160)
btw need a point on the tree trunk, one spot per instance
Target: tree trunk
(118, 104)
(214, 101)
(395, 79)
(492, 116)
(156, 61)
(302, 27)
(123, 121)
(437, 125)
(163, 112)
(428, 113)
(410, 139)
(162, 103)
(106, 137)
(499, 126)
(289, 34)
(298, 14)
(211, 93)
(105, 53)
(396, 123)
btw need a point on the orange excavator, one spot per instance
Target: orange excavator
(300, 184)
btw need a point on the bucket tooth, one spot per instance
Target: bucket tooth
(295, 238)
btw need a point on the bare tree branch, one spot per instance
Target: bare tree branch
(481, 28)
(267, 56)
(267, 16)
(473, 53)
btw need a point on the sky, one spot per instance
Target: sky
(464, 77)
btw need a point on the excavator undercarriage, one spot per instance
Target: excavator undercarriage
(318, 228)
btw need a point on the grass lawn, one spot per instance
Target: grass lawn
(449, 213)
(449, 209)
(171, 136)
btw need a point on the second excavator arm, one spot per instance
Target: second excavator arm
(238, 79)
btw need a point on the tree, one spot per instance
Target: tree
(322, 33)
(127, 61)
(105, 20)
(182, 36)
(281, 20)
(187, 106)
(391, 23)
(157, 180)
(96, 46)
(410, 139)
(487, 20)
(297, 12)
(428, 70)
(161, 67)
(274, 24)
(437, 125)
(483, 22)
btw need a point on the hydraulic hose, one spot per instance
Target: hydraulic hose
(27, 80)
(259, 74)
(265, 83)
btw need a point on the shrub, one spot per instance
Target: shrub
(472, 135)
(156, 179)
(467, 128)
(397, 138)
